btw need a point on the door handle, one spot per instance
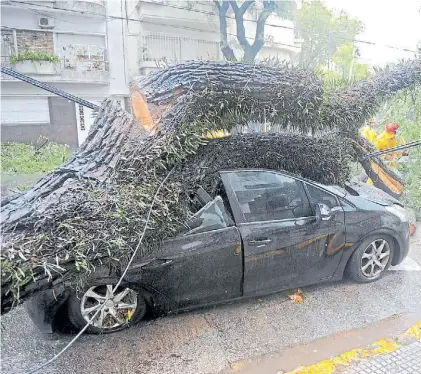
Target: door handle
(159, 263)
(260, 242)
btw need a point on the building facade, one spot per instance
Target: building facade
(163, 32)
(85, 52)
(95, 47)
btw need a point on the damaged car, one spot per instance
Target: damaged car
(264, 232)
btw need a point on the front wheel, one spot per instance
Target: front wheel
(371, 259)
(110, 311)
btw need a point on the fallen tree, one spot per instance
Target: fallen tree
(89, 211)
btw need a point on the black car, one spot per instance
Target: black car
(266, 231)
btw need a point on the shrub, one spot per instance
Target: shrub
(22, 158)
(34, 56)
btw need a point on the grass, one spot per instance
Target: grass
(20, 158)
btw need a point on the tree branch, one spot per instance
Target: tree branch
(239, 21)
(225, 48)
(259, 39)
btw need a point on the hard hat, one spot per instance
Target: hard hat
(391, 127)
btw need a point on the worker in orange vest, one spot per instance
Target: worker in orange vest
(388, 139)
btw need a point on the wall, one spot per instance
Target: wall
(21, 18)
(61, 128)
(36, 41)
(117, 49)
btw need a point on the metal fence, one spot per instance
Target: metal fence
(166, 47)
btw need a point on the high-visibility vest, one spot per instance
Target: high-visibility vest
(368, 133)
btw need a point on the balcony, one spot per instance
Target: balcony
(200, 15)
(89, 6)
(77, 63)
(158, 48)
(92, 8)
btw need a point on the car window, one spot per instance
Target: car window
(266, 196)
(317, 195)
(211, 217)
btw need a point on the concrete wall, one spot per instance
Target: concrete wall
(117, 49)
(61, 128)
(21, 18)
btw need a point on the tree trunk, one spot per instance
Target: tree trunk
(91, 208)
(225, 48)
(224, 94)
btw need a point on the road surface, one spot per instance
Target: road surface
(214, 340)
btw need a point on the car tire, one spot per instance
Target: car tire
(84, 304)
(371, 259)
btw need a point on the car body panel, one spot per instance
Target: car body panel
(364, 218)
(298, 252)
(43, 308)
(200, 268)
(290, 252)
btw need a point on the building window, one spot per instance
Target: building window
(82, 118)
(24, 110)
(7, 46)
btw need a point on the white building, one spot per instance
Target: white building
(161, 32)
(90, 46)
(100, 46)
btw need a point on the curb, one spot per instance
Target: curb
(377, 348)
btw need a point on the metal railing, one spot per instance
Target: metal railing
(166, 47)
(66, 69)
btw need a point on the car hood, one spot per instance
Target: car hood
(371, 193)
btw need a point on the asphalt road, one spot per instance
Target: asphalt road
(212, 340)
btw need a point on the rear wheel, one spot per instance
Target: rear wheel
(109, 311)
(371, 259)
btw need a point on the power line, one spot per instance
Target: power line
(201, 30)
(415, 143)
(281, 26)
(143, 21)
(47, 87)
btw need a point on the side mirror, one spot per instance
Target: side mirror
(322, 212)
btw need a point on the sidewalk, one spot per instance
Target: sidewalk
(401, 355)
(405, 360)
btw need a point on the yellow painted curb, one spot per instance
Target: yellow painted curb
(379, 347)
(414, 331)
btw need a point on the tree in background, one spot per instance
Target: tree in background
(264, 9)
(323, 33)
(344, 68)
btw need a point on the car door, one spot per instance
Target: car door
(284, 244)
(201, 265)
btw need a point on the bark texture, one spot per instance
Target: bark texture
(224, 94)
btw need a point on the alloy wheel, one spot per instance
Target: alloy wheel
(115, 308)
(375, 258)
